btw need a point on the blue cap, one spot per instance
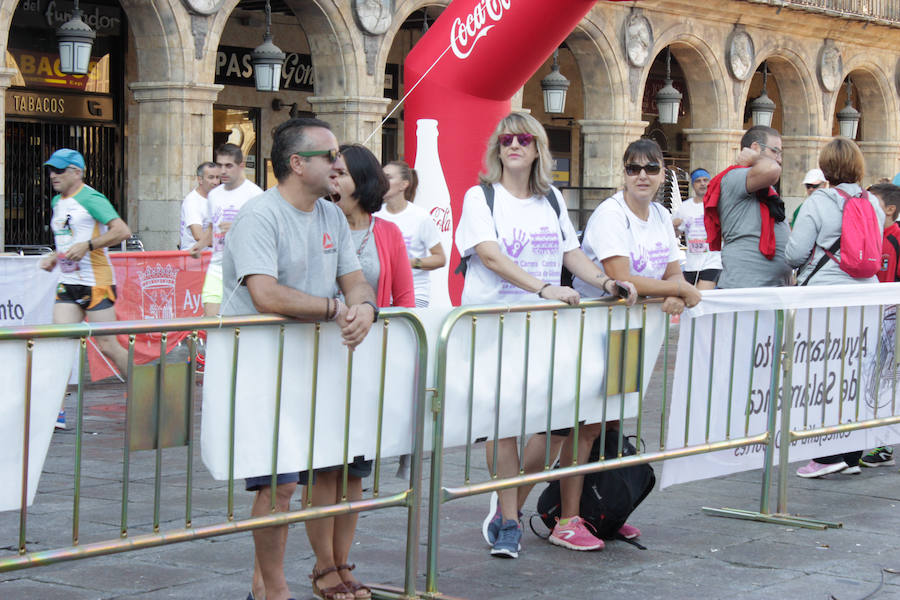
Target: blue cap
(896, 180)
(697, 173)
(65, 157)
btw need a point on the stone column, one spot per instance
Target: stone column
(603, 144)
(801, 153)
(353, 118)
(170, 134)
(6, 76)
(713, 149)
(881, 160)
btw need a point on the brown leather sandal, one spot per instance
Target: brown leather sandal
(331, 592)
(355, 586)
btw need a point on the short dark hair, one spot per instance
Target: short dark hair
(232, 150)
(842, 161)
(290, 137)
(646, 148)
(888, 192)
(409, 175)
(205, 165)
(759, 134)
(368, 176)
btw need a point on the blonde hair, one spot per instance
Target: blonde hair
(541, 177)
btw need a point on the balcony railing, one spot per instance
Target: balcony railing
(886, 12)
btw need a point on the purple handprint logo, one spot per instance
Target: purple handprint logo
(639, 262)
(519, 241)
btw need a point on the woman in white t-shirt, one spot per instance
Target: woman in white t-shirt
(702, 266)
(422, 238)
(631, 237)
(515, 253)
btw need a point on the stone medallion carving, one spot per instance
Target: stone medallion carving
(203, 7)
(740, 54)
(830, 66)
(638, 39)
(373, 16)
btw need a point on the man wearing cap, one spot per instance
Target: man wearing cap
(84, 225)
(702, 266)
(814, 180)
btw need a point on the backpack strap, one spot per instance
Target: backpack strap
(896, 246)
(829, 255)
(488, 190)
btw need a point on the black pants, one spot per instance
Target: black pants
(851, 458)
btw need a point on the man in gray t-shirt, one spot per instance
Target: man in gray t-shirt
(286, 250)
(743, 265)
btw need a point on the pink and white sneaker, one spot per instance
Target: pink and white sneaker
(629, 532)
(815, 469)
(575, 536)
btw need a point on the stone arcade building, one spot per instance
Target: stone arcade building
(171, 79)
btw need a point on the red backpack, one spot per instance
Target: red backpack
(861, 237)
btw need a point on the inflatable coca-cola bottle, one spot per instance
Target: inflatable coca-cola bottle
(434, 196)
(494, 47)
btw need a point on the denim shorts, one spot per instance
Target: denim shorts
(252, 484)
(360, 467)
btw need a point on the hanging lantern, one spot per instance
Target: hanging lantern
(848, 117)
(763, 108)
(267, 59)
(668, 99)
(554, 86)
(75, 38)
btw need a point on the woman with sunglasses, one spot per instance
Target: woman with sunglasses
(515, 252)
(631, 237)
(358, 190)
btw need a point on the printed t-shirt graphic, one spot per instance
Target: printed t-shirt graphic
(224, 206)
(420, 234)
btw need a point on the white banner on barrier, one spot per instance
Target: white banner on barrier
(26, 291)
(255, 391)
(842, 356)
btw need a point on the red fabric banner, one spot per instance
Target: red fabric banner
(152, 285)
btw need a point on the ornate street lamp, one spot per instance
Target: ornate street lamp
(848, 117)
(763, 107)
(75, 39)
(668, 99)
(267, 59)
(554, 86)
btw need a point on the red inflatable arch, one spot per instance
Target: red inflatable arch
(490, 49)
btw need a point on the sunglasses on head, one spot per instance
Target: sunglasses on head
(332, 155)
(524, 139)
(651, 168)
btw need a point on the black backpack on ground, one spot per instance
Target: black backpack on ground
(608, 497)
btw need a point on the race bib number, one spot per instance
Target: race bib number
(697, 246)
(68, 266)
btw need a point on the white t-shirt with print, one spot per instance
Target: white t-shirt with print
(699, 256)
(420, 234)
(193, 212)
(224, 206)
(527, 231)
(613, 230)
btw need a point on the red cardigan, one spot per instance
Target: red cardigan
(395, 282)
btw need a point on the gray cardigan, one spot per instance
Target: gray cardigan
(818, 226)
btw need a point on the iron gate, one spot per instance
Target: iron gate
(28, 189)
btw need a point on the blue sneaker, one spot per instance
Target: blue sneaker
(491, 525)
(61, 420)
(508, 540)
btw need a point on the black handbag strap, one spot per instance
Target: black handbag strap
(825, 258)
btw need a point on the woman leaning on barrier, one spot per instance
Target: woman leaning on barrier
(817, 228)
(513, 210)
(358, 191)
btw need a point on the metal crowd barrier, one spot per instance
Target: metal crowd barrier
(155, 421)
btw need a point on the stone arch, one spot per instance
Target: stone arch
(877, 100)
(402, 10)
(604, 83)
(704, 75)
(801, 110)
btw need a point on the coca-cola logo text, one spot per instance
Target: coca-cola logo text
(465, 34)
(442, 218)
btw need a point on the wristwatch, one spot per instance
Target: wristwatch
(375, 308)
(417, 264)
